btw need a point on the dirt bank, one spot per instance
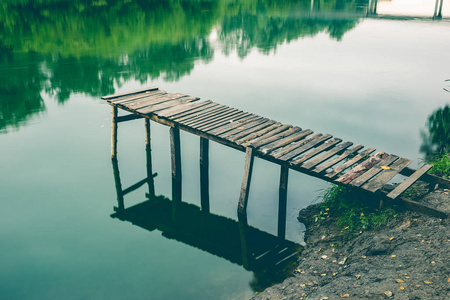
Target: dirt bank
(408, 259)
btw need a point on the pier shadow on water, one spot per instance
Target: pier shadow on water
(270, 258)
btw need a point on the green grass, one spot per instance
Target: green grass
(441, 165)
(354, 212)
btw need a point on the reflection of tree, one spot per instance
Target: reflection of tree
(436, 137)
(79, 46)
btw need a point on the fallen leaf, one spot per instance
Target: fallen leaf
(433, 262)
(385, 167)
(428, 282)
(399, 280)
(346, 227)
(345, 296)
(402, 287)
(334, 274)
(324, 257)
(327, 209)
(357, 276)
(391, 238)
(393, 255)
(448, 280)
(388, 293)
(323, 275)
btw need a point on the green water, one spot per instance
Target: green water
(324, 66)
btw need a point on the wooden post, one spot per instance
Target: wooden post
(440, 10)
(204, 174)
(246, 179)
(114, 132)
(118, 184)
(282, 206)
(175, 150)
(243, 225)
(148, 152)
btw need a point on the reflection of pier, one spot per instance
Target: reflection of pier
(270, 258)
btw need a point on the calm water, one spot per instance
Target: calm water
(323, 66)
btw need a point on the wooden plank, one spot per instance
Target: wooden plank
(253, 130)
(166, 104)
(343, 156)
(129, 117)
(323, 147)
(287, 133)
(134, 98)
(361, 179)
(204, 174)
(349, 163)
(378, 182)
(153, 88)
(150, 103)
(202, 114)
(211, 117)
(246, 179)
(265, 135)
(362, 167)
(305, 147)
(175, 158)
(168, 112)
(244, 125)
(288, 148)
(282, 205)
(285, 141)
(193, 111)
(409, 181)
(146, 101)
(326, 155)
(228, 120)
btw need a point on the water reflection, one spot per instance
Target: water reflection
(65, 47)
(270, 258)
(436, 136)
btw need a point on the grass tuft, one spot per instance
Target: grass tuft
(441, 165)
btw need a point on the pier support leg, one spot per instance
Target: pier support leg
(175, 150)
(118, 184)
(114, 132)
(204, 174)
(246, 179)
(246, 256)
(282, 206)
(148, 154)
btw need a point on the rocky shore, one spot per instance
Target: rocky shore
(408, 259)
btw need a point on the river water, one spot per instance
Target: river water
(327, 65)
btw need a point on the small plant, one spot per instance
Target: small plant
(353, 211)
(441, 165)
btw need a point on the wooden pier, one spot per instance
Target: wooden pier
(320, 155)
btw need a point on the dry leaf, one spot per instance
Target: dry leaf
(357, 276)
(346, 227)
(364, 256)
(391, 238)
(448, 280)
(428, 282)
(324, 257)
(345, 296)
(393, 255)
(388, 293)
(402, 287)
(399, 280)
(385, 167)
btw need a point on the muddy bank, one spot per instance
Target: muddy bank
(408, 259)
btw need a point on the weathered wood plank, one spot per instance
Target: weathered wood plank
(378, 182)
(148, 160)
(252, 130)
(137, 97)
(246, 179)
(287, 133)
(409, 181)
(305, 147)
(343, 156)
(266, 135)
(285, 141)
(211, 117)
(288, 148)
(323, 147)
(181, 115)
(251, 122)
(349, 163)
(148, 101)
(114, 112)
(204, 174)
(361, 179)
(167, 104)
(255, 134)
(223, 121)
(129, 117)
(362, 167)
(172, 111)
(203, 114)
(153, 88)
(175, 158)
(326, 155)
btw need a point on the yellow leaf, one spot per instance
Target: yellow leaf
(364, 256)
(391, 238)
(347, 227)
(399, 280)
(448, 280)
(393, 255)
(327, 209)
(345, 296)
(357, 276)
(402, 287)
(385, 167)
(362, 214)
(388, 293)
(428, 282)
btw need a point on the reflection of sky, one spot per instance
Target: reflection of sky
(412, 7)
